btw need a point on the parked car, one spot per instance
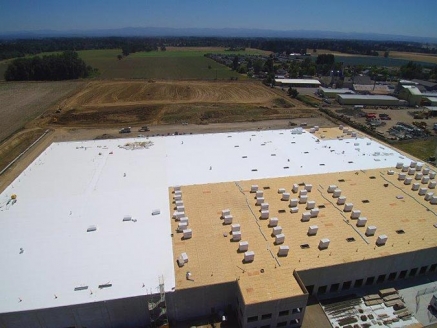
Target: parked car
(125, 130)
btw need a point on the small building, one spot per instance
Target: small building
(379, 89)
(429, 101)
(371, 100)
(429, 86)
(332, 93)
(302, 83)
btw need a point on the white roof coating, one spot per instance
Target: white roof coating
(380, 97)
(298, 81)
(46, 250)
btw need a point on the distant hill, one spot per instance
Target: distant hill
(209, 32)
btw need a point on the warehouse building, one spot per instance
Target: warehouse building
(297, 83)
(145, 231)
(411, 94)
(332, 93)
(369, 100)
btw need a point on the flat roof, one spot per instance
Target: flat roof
(343, 90)
(377, 97)
(49, 259)
(299, 81)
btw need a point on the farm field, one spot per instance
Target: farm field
(173, 64)
(429, 58)
(149, 102)
(22, 102)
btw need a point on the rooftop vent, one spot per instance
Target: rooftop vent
(243, 156)
(350, 239)
(156, 212)
(282, 211)
(372, 177)
(322, 206)
(243, 246)
(400, 231)
(341, 180)
(91, 228)
(366, 201)
(304, 246)
(249, 256)
(254, 170)
(105, 285)
(127, 218)
(266, 188)
(286, 167)
(236, 146)
(80, 288)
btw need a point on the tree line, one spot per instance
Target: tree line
(56, 67)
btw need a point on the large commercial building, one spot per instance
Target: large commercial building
(298, 83)
(332, 93)
(129, 232)
(370, 100)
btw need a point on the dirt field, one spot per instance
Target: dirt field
(22, 102)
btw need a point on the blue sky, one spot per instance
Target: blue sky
(413, 18)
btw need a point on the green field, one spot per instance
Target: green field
(174, 64)
(421, 149)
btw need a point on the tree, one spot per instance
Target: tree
(235, 63)
(119, 57)
(386, 53)
(293, 93)
(163, 48)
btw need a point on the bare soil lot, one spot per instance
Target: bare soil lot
(22, 102)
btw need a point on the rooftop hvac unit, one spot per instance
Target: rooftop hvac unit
(390, 172)
(243, 246)
(156, 212)
(348, 207)
(182, 226)
(264, 206)
(361, 221)
(226, 212)
(433, 200)
(180, 208)
(341, 200)
(413, 164)
(281, 190)
(425, 171)
(370, 231)
(303, 192)
(273, 222)
(422, 191)
(259, 200)
(178, 192)
(324, 243)
(405, 168)
(177, 197)
(305, 216)
(431, 175)
(411, 171)
(336, 193)
(184, 257)
(331, 188)
(249, 256)
(293, 202)
(235, 227)
(312, 230)
(312, 130)
(311, 204)
(308, 187)
(354, 134)
(294, 209)
(418, 176)
(285, 196)
(408, 181)
(189, 276)
(399, 165)
(356, 144)
(303, 199)
(236, 236)
(177, 215)
(181, 262)
(428, 195)
(177, 188)
(279, 239)
(91, 228)
(382, 239)
(283, 250)
(264, 214)
(314, 212)
(295, 188)
(316, 127)
(419, 166)
(254, 188)
(349, 132)
(401, 176)
(227, 219)
(259, 193)
(184, 220)
(127, 218)
(345, 130)
(415, 186)
(432, 184)
(425, 179)
(179, 203)
(188, 233)
(355, 214)
(277, 230)
(341, 127)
